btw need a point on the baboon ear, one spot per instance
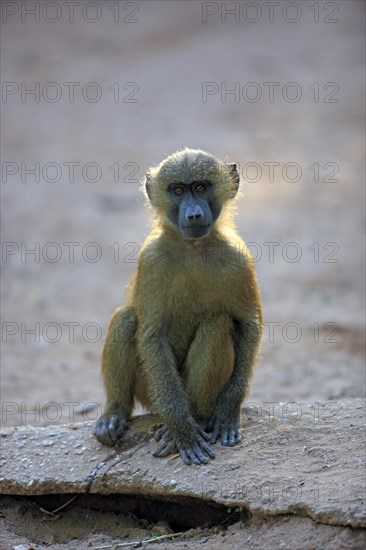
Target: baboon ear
(234, 178)
(148, 184)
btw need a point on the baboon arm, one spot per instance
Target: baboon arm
(165, 385)
(247, 338)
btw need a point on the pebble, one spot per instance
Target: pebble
(47, 442)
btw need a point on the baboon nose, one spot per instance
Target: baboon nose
(194, 212)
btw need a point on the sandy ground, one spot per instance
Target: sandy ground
(162, 82)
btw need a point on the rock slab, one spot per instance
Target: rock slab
(295, 459)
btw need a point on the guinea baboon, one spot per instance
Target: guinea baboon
(185, 343)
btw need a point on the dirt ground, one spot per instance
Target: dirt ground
(295, 126)
(282, 532)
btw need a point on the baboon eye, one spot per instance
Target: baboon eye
(200, 188)
(178, 190)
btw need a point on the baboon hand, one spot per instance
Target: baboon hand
(226, 430)
(195, 451)
(109, 428)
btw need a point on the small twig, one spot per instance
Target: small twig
(171, 457)
(227, 519)
(146, 541)
(54, 512)
(231, 515)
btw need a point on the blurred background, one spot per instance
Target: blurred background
(93, 94)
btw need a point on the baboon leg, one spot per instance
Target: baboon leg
(209, 366)
(119, 368)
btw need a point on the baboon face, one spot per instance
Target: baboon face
(193, 208)
(189, 189)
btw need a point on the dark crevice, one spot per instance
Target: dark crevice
(182, 514)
